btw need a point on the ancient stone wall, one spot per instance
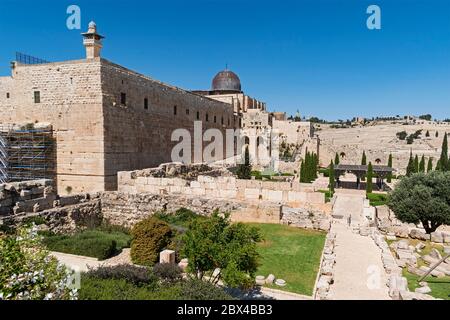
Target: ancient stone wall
(71, 101)
(127, 209)
(290, 193)
(23, 196)
(306, 218)
(138, 138)
(294, 132)
(66, 219)
(96, 135)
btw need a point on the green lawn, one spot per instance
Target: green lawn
(440, 287)
(291, 254)
(377, 199)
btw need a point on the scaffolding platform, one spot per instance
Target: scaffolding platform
(26, 153)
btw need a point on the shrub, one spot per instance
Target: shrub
(37, 220)
(180, 218)
(91, 247)
(194, 289)
(168, 272)
(150, 236)
(136, 275)
(27, 271)
(93, 288)
(92, 243)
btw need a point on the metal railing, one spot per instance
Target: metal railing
(27, 59)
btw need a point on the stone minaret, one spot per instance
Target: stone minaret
(92, 41)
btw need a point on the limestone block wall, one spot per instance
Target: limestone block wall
(127, 209)
(294, 132)
(138, 138)
(71, 101)
(292, 193)
(306, 218)
(66, 219)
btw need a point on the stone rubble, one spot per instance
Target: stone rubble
(326, 275)
(398, 285)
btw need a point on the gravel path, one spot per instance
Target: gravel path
(358, 272)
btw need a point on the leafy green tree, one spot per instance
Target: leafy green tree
(430, 165)
(402, 135)
(444, 162)
(363, 162)
(389, 175)
(369, 185)
(244, 170)
(336, 159)
(423, 198)
(422, 164)
(217, 243)
(331, 178)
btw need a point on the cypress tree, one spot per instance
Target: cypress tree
(416, 164)
(438, 165)
(437, 134)
(430, 165)
(331, 177)
(369, 186)
(302, 171)
(427, 134)
(245, 170)
(363, 162)
(336, 159)
(389, 175)
(364, 158)
(410, 167)
(422, 164)
(308, 168)
(444, 155)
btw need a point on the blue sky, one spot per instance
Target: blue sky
(315, 55)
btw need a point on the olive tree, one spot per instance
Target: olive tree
(423, 198)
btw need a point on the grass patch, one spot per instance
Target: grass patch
(440, 287)
(292, 254)
(377, 199)
(91, 243)
(180, 218)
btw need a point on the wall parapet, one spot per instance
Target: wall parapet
(221, 187)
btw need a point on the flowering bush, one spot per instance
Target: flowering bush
(28, 272)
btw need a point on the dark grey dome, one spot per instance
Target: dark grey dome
(226, 81)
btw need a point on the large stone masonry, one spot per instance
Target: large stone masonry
(221, 187)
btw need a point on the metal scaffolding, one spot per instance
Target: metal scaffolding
(26, 153)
